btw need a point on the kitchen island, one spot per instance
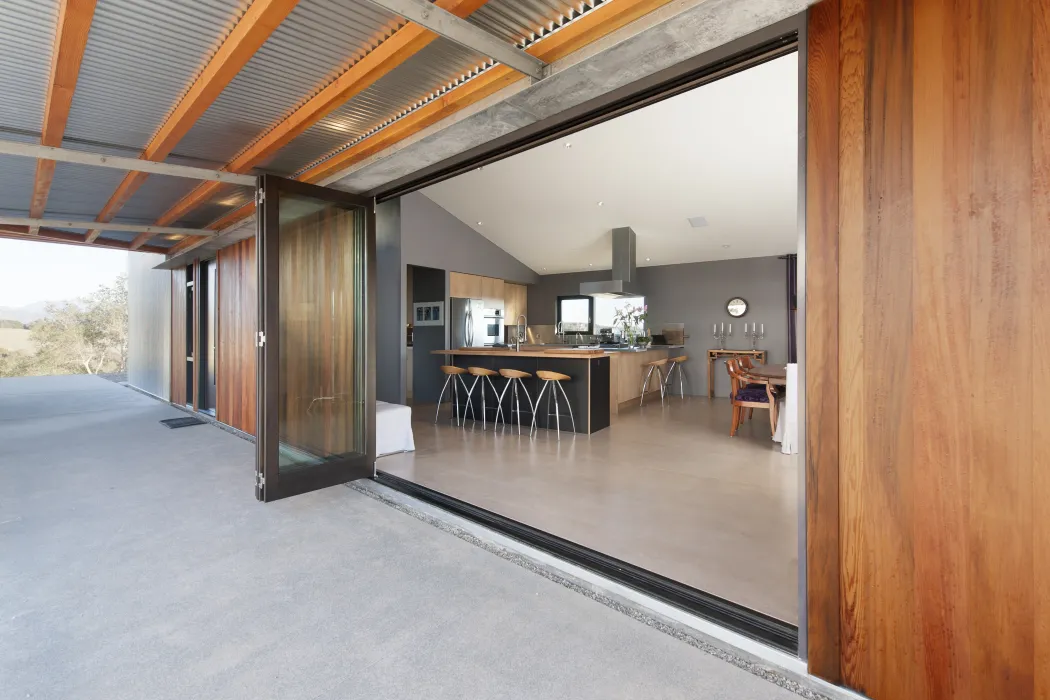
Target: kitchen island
(587, 390)
(604, 381)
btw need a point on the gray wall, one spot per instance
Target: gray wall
(428, 284)
(695, 294)
(413, 230)
(390, 318)
(432, 237)
(149, 324)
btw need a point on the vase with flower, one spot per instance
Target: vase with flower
(631, 318)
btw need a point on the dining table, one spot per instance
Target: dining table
(774, 374)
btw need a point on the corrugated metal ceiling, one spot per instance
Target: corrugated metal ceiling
(27, 31)
(437, 65)
(140, 58)
(317, 42)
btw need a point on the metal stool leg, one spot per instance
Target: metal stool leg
(568, 405)
(470, 404)
(539, 398)
(440, 396)
(645, 385)
(532, 407)
(494, 393)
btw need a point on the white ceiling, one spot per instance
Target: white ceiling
(727, 151)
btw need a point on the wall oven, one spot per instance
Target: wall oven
(493, 326)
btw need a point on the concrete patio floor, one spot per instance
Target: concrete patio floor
(136, 563)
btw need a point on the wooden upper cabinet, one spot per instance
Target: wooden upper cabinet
(464, 286)
(492, 292)
(515, 301)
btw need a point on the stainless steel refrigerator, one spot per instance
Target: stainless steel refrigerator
(467, 325)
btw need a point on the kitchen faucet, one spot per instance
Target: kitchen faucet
(521, 331)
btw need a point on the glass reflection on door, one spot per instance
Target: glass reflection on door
(321, 310)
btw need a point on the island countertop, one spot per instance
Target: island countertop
(562, 353)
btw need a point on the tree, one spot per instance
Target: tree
(88, 336)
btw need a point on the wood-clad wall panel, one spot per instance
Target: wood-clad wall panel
(940, 460)
(822, 328)
(237, 311)
(178, 336)
(320, 383)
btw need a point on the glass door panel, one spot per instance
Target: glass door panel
(317, 413)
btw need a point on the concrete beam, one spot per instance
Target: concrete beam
(444, 23)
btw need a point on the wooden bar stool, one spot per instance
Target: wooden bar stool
(453, 374)
(555, 378)
(484, 375)
(514, 379)
(658, 366)
(676, 364)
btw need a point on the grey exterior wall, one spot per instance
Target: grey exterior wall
(695, 294)
(390, 307)
(149, 324)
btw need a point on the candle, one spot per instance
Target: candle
(730, 329)
(723, 326)
(745, 329)
(714, 329)
(763, 329)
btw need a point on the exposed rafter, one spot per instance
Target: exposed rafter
(251, 31)
(68, 155)
(398, 47)
(21, 233)
(446, 24)
(71, 35)
(587, 29)
(578, 34)
(66, 223)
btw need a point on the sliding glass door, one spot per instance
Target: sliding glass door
(316, 256)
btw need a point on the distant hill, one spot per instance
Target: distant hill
(25, 314)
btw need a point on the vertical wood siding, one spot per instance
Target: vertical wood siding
(940, 461)
(237, 311)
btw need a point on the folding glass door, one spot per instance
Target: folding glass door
(316, 256)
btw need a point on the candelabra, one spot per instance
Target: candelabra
(755, 334)
(720, 334)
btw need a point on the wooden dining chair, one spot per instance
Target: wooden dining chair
(749, 393)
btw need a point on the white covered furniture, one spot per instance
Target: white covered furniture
(393, 429)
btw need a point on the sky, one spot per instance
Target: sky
(32, 271)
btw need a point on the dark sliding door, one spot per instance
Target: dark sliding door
(316, 256)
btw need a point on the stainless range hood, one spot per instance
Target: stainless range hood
(624, 282)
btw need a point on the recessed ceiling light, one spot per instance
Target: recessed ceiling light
(601, 203)
(726, 245)
(568, 144)
(590, 264)
(648, 259)
(480, 224)
(698, 221)
(545, 269)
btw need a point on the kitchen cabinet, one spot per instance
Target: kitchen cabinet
(492, 292)
(463, 286)
(515, 301)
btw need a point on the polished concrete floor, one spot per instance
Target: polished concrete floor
(664, 488)
(136, 563)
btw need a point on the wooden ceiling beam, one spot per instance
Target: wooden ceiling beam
(401, 45)
(71, 35)
(250, 33)
(587, 29)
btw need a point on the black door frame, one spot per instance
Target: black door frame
(270, 485)
(784, 37)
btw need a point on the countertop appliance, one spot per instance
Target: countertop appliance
(468, 323)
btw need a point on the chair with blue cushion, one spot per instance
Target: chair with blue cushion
(747, 392)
